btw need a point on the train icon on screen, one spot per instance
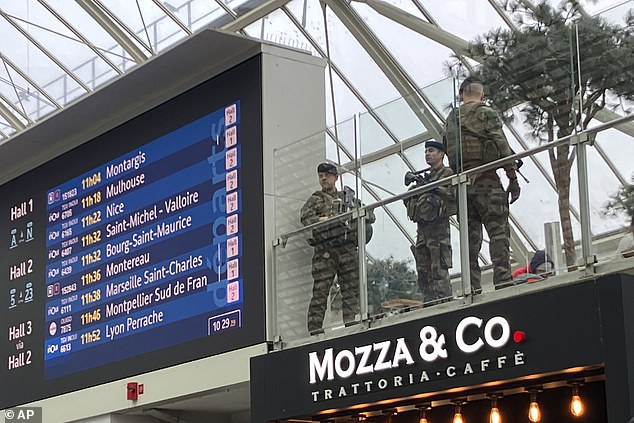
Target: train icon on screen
(54, 196)
(52, 290)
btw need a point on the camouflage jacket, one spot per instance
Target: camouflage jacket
(477, 129)
(338, 232)
(431, 206)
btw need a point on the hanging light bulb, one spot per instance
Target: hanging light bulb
(576, 405)
(534, 414)
(422, 412)
(457, 417)
(495, 416)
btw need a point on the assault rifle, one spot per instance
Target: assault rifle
(415, 177)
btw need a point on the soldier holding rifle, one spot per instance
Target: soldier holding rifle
(431, 210)
(335, 246)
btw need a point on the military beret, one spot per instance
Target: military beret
(468, 81)
(327, 168)
(435, 144)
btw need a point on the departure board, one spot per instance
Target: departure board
(128, 247)
(134, 258)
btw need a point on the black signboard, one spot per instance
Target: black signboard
(127, 254)
(543, 332)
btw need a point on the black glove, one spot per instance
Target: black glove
(513, 190)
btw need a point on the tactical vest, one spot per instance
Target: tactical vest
(337, 233)
(466, 129)
(429, 206)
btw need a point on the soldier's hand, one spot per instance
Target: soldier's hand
(513, 190)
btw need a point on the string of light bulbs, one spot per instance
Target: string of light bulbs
(577, 408)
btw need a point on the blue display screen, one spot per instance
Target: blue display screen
(146, 246)
(140, 248)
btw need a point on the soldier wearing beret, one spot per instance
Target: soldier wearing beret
(431, 210)
(335, 247)
(474, 137)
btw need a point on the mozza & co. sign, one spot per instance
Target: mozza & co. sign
(474, 346)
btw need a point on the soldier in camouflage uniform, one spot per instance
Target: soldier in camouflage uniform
(473, 137)
(431, 211)
(336, 247)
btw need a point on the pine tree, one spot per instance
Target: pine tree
(622, 201)
(561, 67)
(388, 279)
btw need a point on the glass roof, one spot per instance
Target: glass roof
(54, 52)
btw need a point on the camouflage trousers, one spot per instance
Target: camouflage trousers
(487, 204)
(342, 261)
(433, 260)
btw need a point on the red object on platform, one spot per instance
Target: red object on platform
(519, 337)
(133, 391)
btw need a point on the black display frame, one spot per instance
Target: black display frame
(241, 83)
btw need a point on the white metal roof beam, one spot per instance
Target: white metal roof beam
(392, 150)
(79, 35)
(172, 16)
(114, 29)
(518, 248)
(540, 167)
(14, 109)
(348, 84)
(426, 29)
(254, 15)
(129, 31)
(34, 84)
(433, 21)
(44, 50)
(606, 158)
(392, 70)
(506, 18)
(11, 118)
(606, 115)
(226, 8)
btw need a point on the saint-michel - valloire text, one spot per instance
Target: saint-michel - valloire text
(146, 215)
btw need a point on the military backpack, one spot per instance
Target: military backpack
(468, 127)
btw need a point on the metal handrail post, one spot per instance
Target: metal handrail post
(584, 203)
(465, 266)
(363, 276)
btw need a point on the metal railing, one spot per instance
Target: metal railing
(292, 252)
